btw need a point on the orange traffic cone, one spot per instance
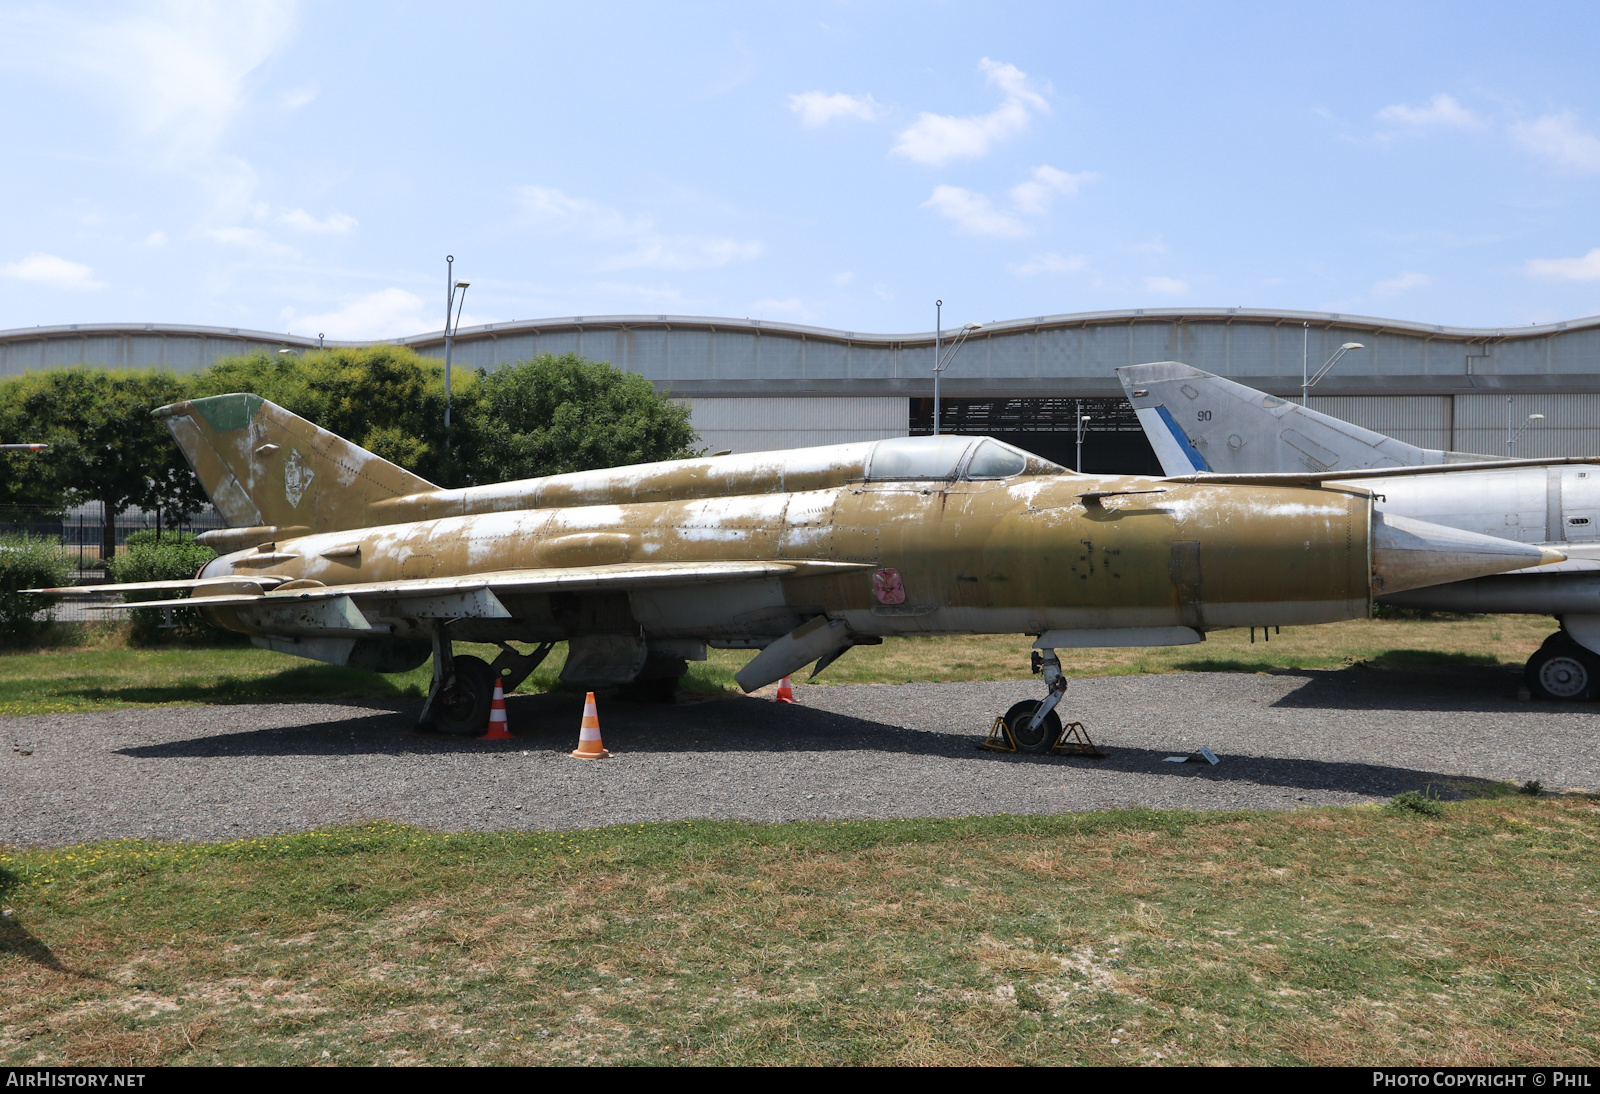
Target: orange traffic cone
(497, 716)
(785, 692)
(589, 746)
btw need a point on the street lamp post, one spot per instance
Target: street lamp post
(1309, 382)
(941, 361)
(1083, 420)
(1513, 438)
(938, 331)
(451, 285)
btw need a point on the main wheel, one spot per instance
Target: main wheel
(462, 709)
(1563, 670)
(1040, 739)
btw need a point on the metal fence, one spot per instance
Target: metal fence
(81, 530)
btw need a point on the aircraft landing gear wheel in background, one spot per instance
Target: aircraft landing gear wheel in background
(1563, 670)
(463, 708)
(1041, 739)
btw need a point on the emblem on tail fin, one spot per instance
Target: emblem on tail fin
(258, 462)
(296, 477)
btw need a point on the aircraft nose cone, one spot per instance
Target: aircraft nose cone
(1411, 554)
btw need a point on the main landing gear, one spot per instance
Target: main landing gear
(463, 687)
(1034, 724)
(1564, 670)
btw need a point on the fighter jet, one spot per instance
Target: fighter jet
(337, 555)
(1198, 422)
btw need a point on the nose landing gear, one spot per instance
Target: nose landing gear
(1033, 724)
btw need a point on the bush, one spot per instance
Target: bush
(29, 562)
(557, 414)
(174, 557)
(1417, 801)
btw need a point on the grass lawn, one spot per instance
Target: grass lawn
(97, 670)
(1336, 936)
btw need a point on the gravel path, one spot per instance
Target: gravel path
(1285, 740)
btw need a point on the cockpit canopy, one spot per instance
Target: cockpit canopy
(946, 458)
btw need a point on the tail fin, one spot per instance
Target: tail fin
(263, 466)
(1199, 422)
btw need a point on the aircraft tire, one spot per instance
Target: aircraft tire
(1563, 671)
(463, 710)
(1042, 739)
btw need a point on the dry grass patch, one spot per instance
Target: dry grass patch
(1332, 936)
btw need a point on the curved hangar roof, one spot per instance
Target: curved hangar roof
(1055, 355)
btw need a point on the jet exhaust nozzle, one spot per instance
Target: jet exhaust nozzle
(1412, 554)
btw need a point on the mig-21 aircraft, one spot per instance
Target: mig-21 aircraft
(338, 555)
(1199, 422)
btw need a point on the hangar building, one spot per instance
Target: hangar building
(754, 384)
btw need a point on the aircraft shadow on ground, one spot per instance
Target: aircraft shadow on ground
(1450, 688)
(547, 723)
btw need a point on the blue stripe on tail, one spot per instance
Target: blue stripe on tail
(1197, 461)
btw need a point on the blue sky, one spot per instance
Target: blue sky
(306, 167)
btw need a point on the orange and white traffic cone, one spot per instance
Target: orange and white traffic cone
(589, 746)
(497, 716)
(785, 692)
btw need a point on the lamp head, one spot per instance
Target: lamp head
(1352, 345)
(1535, 417)
(462, 284)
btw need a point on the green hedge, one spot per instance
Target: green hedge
(29, 562)
(173, 557)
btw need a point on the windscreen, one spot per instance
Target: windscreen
(917, 458)
(994, 460)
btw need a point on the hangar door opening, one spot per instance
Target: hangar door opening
(1113, 443)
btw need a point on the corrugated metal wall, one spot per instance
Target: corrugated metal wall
(1422, 420)
(762, 425)
(1478, 423)
(1570, 427)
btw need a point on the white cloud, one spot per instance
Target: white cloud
(1559, 137)
(1035, 195)
(973, 213)
(1171, 286)
(388, 313)
(156, 239)
(1440, 110)
(336, 223)
(936, 139)
(1586, 268)
(300, 96)
(176, 69)
(549, 210)
(1050, 263)
(57, 273)
(252, 239)
(817, 108)
(977, 214)
(843, 277)
(1402, 283)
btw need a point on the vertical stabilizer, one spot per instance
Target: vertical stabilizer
(1199, 422)
(262, 465)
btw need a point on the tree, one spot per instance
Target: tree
(105, 445)
(387, 399)
(555, 414)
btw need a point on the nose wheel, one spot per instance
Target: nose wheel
(1030, 735)
(1033, 724)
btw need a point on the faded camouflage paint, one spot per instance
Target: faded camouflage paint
(263, 466)
(1020, 555)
